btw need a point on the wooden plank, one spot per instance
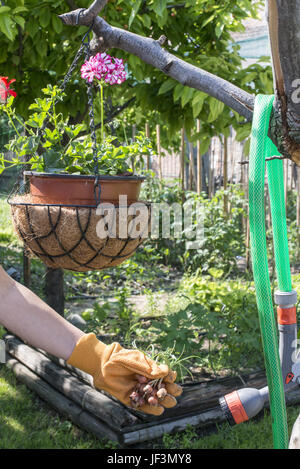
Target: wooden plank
(62, 404)
(106, 409)
(153, 431)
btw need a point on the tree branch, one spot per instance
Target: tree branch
(96, 7)
(151, 52)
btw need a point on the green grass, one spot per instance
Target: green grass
(28, 423)
(6, 233)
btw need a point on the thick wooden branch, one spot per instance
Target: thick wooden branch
(285, 44)
(152, 52)
(284, 20)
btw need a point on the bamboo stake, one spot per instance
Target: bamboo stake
(225, 175)
(182, 161)
(193, 180)
(210, 174)
(147, 132)
(199, 161)
(133, 130)
(159, 151)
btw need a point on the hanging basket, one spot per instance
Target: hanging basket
(79, 237)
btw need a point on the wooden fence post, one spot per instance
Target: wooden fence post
(54, 289)
(192, 178)
(210, 169)
(133, 133)
(147, 132)
(199, 161)
(159, 151)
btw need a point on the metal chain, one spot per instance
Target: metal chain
(86, 44)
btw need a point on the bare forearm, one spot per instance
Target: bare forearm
(26, 315)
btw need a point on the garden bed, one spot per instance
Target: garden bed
(71, 393)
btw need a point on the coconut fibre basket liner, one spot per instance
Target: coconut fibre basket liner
(68, 237)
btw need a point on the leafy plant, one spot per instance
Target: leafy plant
(116, 316)
(214, 322)
(224, 239)
(61, 148)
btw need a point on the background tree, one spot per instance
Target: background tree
(36, 48)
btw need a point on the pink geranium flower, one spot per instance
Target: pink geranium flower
(91, 70)
(104, 67)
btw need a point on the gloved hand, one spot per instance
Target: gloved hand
(115, 369)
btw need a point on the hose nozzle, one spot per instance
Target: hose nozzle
(242, 405)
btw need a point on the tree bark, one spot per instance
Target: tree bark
(284, 20)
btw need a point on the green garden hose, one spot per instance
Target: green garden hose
(261, 148)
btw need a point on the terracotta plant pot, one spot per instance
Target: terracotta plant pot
(69, 189)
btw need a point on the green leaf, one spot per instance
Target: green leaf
(32, 27)
(4, 9)
(44, 17)
(178, 92)
(57, 24)
(160, 6)
(209, 20)
(168, 85)
(41, 47)
(7, 27)
(197, 103)
(219, 29)
(186, 95)
(146, 20)
(243, 132)
(20, 21)
(19, 10)
(134, 11)
(216, 108)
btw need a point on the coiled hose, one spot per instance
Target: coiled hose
(261, 148)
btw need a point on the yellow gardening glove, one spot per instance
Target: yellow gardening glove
(115, 369)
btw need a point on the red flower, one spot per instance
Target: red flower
(5, 89)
